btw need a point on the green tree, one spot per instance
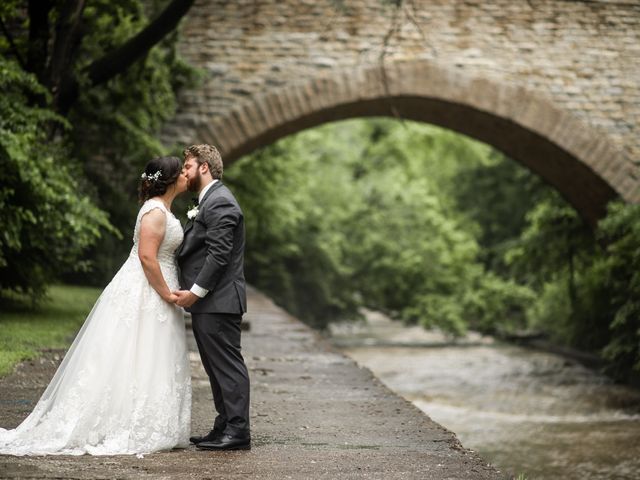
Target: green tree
(117, 123)
(112, 75)
(554, 241)
(551, 255)
(434, 228)
(588, 295)
(46, 222)
(618, 283)
(355, 214)
(292, 252)
(496, 194)
(48, 38)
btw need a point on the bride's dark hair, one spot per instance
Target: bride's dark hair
(159, 174)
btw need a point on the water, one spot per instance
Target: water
(524, 411)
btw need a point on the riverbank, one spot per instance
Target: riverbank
(315, 414)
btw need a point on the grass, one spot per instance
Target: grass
(25, 330)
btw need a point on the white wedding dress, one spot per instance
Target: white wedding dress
(124, 386)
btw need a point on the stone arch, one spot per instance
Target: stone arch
(579, 161)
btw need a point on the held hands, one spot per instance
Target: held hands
(171, 298)
(184, 298)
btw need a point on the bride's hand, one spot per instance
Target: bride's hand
(171, 298)
(186, 298)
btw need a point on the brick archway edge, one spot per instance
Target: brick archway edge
(576, 159)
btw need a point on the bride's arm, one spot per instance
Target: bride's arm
(152, 228)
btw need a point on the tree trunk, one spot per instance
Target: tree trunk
(66, 42)
(573, 296)
(38, 11)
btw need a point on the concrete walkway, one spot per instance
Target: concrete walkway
(315, 414)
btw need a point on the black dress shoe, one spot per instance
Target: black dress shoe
(226, 442)
(212, 435)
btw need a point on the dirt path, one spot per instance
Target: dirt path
(315, 414)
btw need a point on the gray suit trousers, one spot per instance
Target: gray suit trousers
(218, 339)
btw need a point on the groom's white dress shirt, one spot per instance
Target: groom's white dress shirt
(196, 289)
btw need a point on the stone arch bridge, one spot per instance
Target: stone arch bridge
(554, 84)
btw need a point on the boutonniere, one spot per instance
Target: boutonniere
(192, 212)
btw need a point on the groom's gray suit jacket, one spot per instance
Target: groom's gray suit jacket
(212, 253)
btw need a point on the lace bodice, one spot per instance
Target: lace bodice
(172, 237)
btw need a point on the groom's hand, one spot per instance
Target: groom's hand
(185, 298)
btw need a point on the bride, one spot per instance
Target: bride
(124, 386)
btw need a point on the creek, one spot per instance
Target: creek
(523, 410)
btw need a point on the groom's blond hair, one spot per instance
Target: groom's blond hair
(206, 154)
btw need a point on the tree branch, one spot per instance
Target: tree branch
(66, 39)
(118, 60)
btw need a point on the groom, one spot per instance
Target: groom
(211, 273)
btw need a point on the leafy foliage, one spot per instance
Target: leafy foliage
(496, 194)
(292, 251)
(47, 223)
(588, 291)
(618, 281)
(87, 163)
(434, 228)
(354, 214)
(117, 124)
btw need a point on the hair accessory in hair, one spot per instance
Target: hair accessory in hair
(153, 177)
